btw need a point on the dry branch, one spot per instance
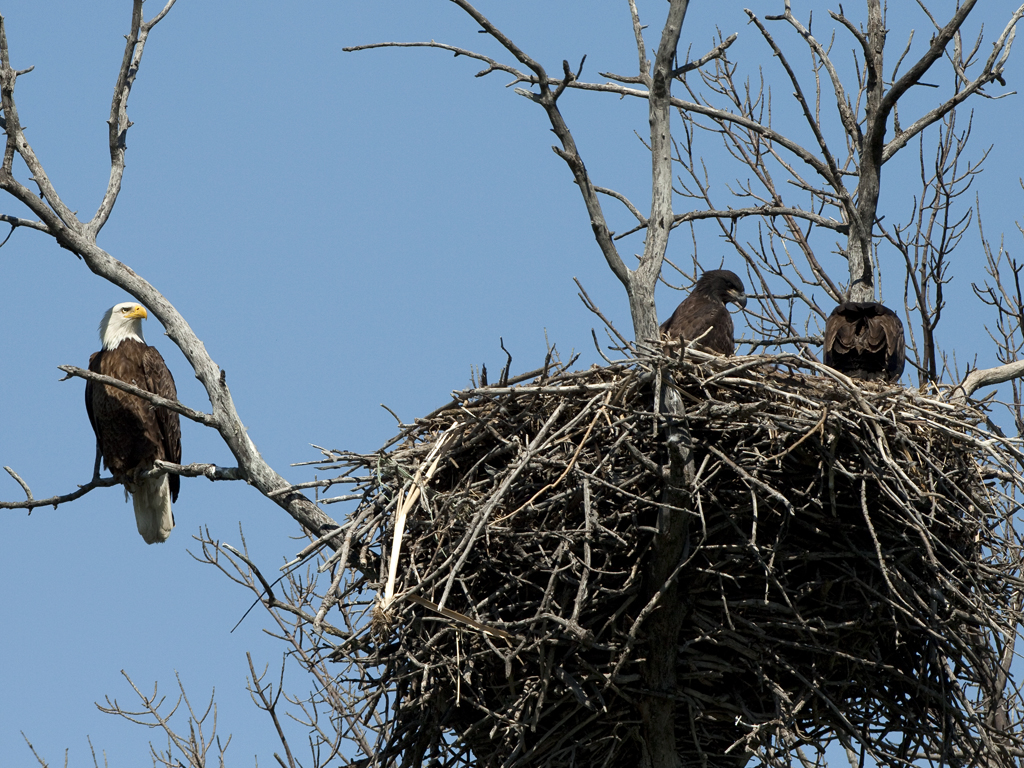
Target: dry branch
(53, 501)
(171, 405)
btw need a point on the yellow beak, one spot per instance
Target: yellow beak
(138, 311)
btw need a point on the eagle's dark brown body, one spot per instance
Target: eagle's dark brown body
(703, 314)
(864, 340)
(132, 433)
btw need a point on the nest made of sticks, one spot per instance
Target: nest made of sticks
(849, 571)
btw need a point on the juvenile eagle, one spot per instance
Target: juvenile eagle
(132, 433)
(864, 340)
(703, 314)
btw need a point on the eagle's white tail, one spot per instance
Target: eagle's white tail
(152, 501)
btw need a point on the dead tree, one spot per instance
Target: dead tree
(667, 561)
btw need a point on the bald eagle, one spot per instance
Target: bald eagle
(703, 314)
(132, 433)
(864, 340)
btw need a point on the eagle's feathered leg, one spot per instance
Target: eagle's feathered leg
(96, 466)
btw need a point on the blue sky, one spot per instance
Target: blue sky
(341, 230)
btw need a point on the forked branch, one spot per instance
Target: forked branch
(639, 283)
(118, 123)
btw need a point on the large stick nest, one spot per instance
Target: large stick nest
(850, 571)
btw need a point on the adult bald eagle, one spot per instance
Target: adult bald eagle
(131, 432)
(864, 340)
(703, 314)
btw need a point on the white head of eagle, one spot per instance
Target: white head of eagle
(132, 433)
(122, 321)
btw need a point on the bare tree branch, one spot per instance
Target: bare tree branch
(492, 64)
(986, 377)
(193, 745)
(991, 72)
(763, 210)
(172, 405)
(118, 123)
(833, 177)
(846, 112)
(639, 283)
(16, 222)
(32, 503)
(52, 218)
(717, 52)
(209, 471)
(267, 700)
